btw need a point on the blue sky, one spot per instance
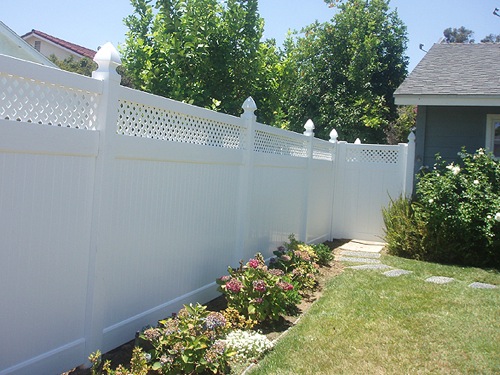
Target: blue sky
(91, 23)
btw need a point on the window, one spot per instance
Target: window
(493, 134)
(37, 45)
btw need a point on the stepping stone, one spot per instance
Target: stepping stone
(439, 280)
(358, 260)
(395, 273)
(482, 286)
(371, 267)
(356, 246)
(362, 254)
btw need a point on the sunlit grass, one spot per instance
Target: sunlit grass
(367, 323)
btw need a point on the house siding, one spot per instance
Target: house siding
(445, 130)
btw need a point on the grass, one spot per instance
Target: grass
(367, 323)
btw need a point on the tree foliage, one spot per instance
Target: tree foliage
(83, 66)
(491, 38)
(460, 35)
(345, 71)
(202, 52)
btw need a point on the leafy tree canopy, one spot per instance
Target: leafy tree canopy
(460, 35)
(205, 52)
(346, 71)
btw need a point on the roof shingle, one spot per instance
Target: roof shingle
(456, 69)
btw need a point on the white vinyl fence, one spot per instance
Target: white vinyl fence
(117, 206)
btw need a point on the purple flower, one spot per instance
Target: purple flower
(259, 286)
(258, 300)
(281, 249)
(276, 272)
(215, 320)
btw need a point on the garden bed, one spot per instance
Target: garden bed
(123, 353)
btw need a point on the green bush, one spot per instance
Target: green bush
(300, 261)
(455, 215)
(189, 342)
(257, 292)
(323, 253)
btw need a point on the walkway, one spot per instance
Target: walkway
(367, 254)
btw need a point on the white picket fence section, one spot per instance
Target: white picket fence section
(117, 206)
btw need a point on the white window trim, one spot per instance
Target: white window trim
(490, 132)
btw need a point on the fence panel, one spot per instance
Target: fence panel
(118, 206)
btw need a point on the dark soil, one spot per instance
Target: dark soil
(123, 353)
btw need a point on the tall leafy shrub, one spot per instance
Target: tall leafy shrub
(455, 216)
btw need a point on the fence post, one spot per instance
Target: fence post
(244, 189)
(410, 166)
(338, 185)
(309, 133)
(108, 60)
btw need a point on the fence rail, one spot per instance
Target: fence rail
(118, 206)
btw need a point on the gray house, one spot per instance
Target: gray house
(457, 90)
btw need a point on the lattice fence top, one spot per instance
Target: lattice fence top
(38, 102)
(271, 143)
(141, 120)
(323, 151)
(358, 154)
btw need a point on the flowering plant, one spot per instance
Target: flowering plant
(189, 342)
(299, 260)
(453, 216)
(257, 292)
(248, 345)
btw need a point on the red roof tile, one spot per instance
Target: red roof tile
(86, 52)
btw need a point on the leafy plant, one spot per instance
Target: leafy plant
(323, 253)
(189, 342)
(138, 364)
(257, 292)
(452, 219)
(298, 260)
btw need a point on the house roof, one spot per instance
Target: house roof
(75, 48)
(12, 45)
(454, 74)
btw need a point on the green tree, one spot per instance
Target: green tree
(346, 71)
(202, 52)
(83, 66)
(491, 39)
(460, 35)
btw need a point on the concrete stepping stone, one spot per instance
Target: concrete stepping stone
(371, 267)
(396, 273)
(361, 254)
(363, 247)
(358, 260)
(439, 280)
(477, 285)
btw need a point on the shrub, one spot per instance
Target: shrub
(323, 253)
(402, 232)
(248, 345)
(189, 342)
(298, 260)
(452, 219)
(257, 292)
(138, 364)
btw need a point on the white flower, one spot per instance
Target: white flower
(147, 357)
(455, 169)
(431, 200)
(248, 344)
(497, 216)
(476, 182)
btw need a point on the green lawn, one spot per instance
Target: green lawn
(367, 323)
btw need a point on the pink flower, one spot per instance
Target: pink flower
(225, 278)
(285, 286)
(259, 286)
(254, 263)
(258, 300)
(234, 286)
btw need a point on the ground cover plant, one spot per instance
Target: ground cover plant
(367, 323)
(455, 215)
